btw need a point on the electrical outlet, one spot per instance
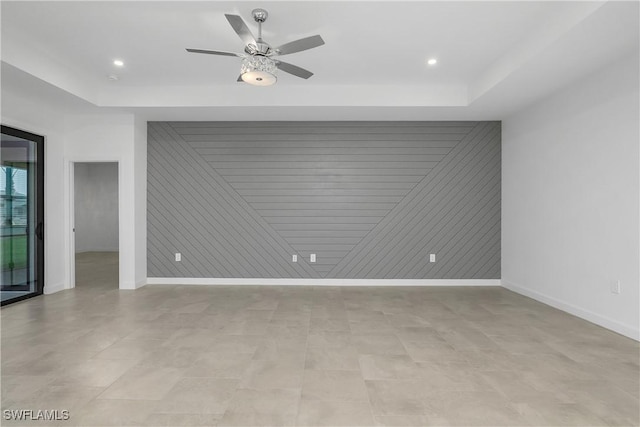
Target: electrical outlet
(616, 287)
(294, 258)
(432, 257)
(312, 258)
(178, 257)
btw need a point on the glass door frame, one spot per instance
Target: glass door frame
(38, 221)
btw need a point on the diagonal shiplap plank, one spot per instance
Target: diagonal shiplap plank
(460, 193)
(206, 193)
(262, 246)
(434, 189)
(370, 199)
(323, 152)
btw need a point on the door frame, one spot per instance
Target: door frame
(70, 164)
(39, 141)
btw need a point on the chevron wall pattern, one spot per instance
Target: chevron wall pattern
(372, 200)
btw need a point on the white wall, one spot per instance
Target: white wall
(109, 138)
(140, 194)
(26, 111)
(75, 131)
(96, 207)
(570, 198)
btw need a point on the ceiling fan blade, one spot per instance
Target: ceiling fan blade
(300, 45)
(241, 29)
(294, 69)
(213, 52)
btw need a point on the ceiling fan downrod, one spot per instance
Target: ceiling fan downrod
(260, 15)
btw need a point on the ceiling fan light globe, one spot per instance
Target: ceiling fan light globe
(258, 70)
(259, 78)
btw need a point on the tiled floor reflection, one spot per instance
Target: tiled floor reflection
(316, 356)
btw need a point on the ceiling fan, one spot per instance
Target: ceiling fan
(259, 66)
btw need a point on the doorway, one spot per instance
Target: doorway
(22, 215)
(96, 225)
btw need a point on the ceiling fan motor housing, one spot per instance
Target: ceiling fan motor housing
(260, 48)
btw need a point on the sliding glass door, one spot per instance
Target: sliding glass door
(21, 214)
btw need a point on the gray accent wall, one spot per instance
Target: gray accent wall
(370, 199)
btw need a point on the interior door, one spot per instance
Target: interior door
(21, 215)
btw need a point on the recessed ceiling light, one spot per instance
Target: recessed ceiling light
(432, 61)
(118, 63)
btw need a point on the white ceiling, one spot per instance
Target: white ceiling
(493, 56)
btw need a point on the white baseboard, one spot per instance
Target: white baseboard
(130, 285)
(605, 322)
(318, 282)
(53, 288)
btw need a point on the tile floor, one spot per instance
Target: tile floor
(309, 356)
